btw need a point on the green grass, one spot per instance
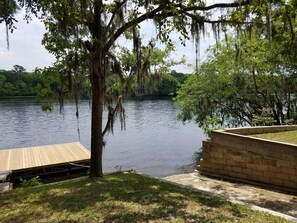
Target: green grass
(288, 136)
(121, 198)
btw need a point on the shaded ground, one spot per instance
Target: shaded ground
(276, 201)
(122, 198)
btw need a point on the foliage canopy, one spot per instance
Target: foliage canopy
(249, 79)
(83, 36)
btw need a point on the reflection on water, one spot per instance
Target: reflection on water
(154, 141)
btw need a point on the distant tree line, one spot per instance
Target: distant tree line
(170, 83)
(48, 83)
(18, 82)
(166, 85)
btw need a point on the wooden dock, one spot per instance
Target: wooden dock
(31, 158)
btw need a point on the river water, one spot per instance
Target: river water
(154, 142)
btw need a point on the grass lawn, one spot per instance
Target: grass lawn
(288, 136)
(121, 198)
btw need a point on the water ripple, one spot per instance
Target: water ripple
(154, 141)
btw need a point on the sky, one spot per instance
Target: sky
(26, 48)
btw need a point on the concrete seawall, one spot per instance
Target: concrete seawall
(234, 153)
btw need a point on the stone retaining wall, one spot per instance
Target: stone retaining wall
(241, 156)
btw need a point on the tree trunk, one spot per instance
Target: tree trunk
(96, 122)
(97, 76)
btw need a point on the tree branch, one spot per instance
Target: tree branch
(114, 14)
(111, 114)
(214, 6)
(154, 13)
(203, 20)
(126, 26)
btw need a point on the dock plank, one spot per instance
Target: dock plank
(42, 156)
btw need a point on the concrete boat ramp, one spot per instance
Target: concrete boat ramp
(259, 198)
(40, 160)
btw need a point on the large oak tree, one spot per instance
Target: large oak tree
(88, 30)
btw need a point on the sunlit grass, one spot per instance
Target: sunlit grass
(121, 198)
(287, 137)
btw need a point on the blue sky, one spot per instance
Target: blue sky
(26, 49)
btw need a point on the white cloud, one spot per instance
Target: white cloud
(25, 46)
(26, 49)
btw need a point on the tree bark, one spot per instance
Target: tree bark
(97, 76)
(97, 83)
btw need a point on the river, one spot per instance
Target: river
(154, 142)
